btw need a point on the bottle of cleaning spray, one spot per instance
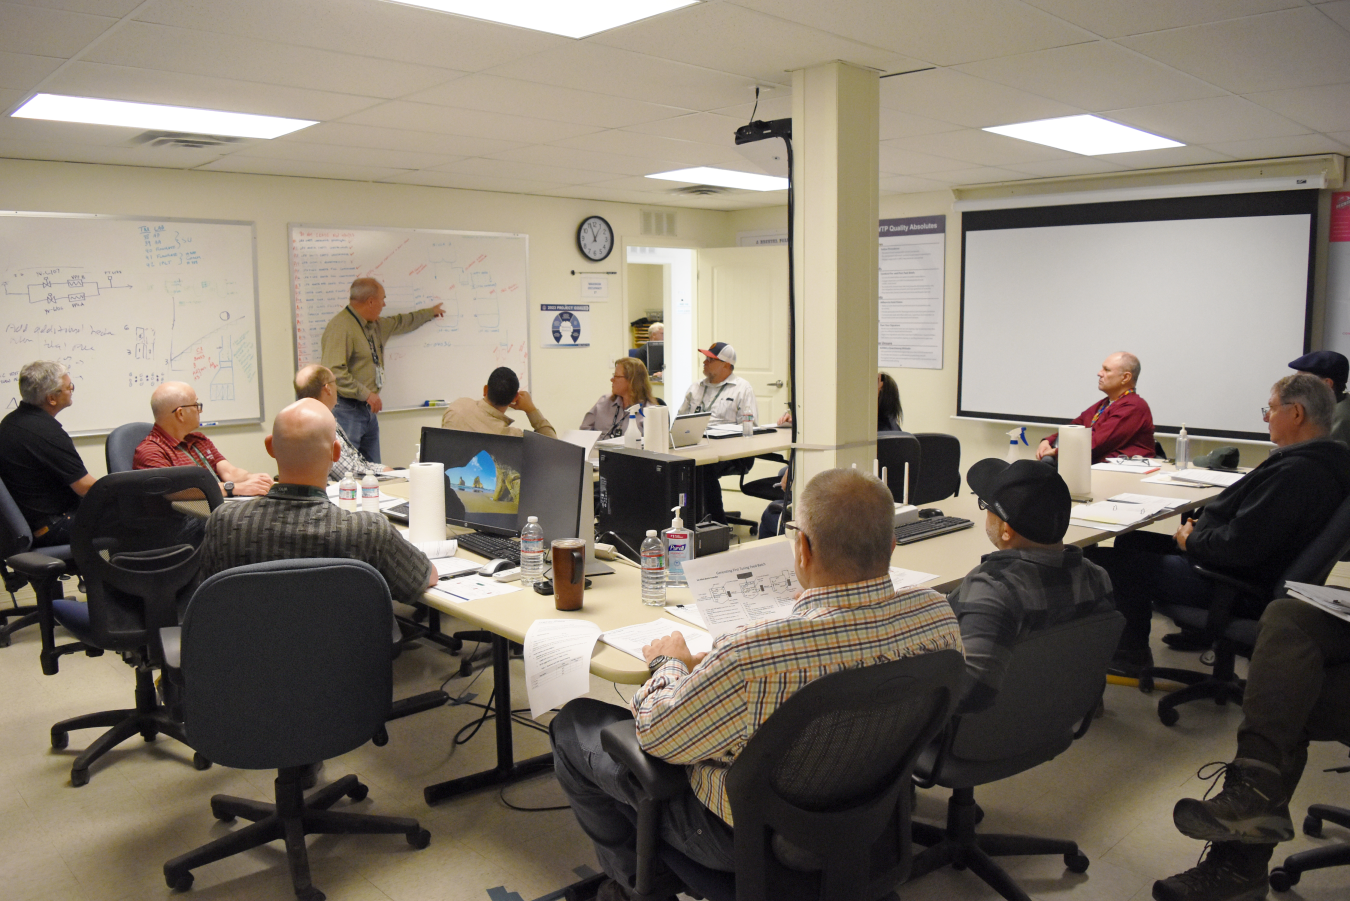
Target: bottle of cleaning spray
(632, 436)
(679, 548)
(1014, 435)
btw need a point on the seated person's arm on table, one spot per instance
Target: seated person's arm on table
(990, 617)
(677, 712)
(246, 484)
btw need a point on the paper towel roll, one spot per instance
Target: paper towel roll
(426, 502)
(1075, 460)
(656, 429)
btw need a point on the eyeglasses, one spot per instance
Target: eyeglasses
(998, 510)
(197, 405)
(791, 526)
(1265, 411)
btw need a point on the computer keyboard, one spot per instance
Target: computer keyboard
(927, 528)
(491, 546)
(397, 512)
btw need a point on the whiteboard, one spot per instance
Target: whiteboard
(481, 277)
(128, 303)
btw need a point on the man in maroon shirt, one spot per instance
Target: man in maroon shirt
(1122, 425)
(174, 441)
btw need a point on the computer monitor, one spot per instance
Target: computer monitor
(558, 490)
(484, 477)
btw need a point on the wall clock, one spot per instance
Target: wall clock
(595, 238)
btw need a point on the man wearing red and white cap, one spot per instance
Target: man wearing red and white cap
(730, 399)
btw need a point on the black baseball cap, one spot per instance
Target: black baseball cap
(1027, 495)
(1325, 364)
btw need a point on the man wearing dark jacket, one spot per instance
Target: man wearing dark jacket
(1252, 531)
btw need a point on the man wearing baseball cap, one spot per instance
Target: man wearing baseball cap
(1334, 369)
(1031, 582)
(730, 400)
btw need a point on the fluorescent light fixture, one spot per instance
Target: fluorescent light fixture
(1088, 135)
(569, 18)
(726, 178)
(93, 111)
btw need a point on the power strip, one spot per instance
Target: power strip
(606, 551)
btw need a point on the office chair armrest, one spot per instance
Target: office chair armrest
(37, 567)
(1239, 585)
(943, 743)
(659, 779)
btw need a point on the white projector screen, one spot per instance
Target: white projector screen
(1213, 294)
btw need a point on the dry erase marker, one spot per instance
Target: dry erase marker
(207, 423)
(433, 403)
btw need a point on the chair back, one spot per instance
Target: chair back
(1054, 680)
(15, 535)
(287, 663)
(940, 474)
(893, 452)
(825, 780)
(1316, 561)
(137, 553)
(121, 445)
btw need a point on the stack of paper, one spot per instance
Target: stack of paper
(1215, 477)
(1109, 515)
(734, 588)
(1335, 601)
(1122, 465)
(631, 639)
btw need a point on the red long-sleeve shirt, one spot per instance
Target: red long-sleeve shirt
(1125, 427)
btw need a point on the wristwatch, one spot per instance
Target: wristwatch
(657, 662)
(229, 488)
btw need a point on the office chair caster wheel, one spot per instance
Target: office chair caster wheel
(1168, 716)
(179, 882)
(1281, 879)
(1312, 826)
(60, 740)
(419, 839)
(1077, 862)
(358, 792)
(1146, 684)
(149, 734)
(79, 777)
(311, 894)
(199, 762)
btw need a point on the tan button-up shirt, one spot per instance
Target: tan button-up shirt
(346, 349)
(475, 414)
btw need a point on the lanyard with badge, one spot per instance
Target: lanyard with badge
(703, 405)
(374, 352)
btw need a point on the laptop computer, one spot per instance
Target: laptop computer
(687, 430)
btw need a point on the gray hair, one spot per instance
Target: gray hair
(656, 331)
(363, 289)
(39, 380)
(1311, 393)
(1131, 364)
(849, 518)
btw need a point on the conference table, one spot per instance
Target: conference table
(614, 601)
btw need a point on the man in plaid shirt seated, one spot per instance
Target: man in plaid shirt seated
(319, 383)
(701, 710)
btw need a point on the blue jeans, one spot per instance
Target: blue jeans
(604, 797)
(361, 425)
(1148, 568)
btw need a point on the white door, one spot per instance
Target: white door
(742, 300)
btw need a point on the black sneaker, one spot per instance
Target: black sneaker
(1230, 872)
(1251, 808)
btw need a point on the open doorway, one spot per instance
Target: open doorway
(663, 278)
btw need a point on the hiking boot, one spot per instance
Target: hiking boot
(1130, 663)
(1252, 807)
(1230, 872)
(1187, 640)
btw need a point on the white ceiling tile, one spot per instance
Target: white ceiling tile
(470, 123)
(943, 32)
(285, 149)
(543, 101)
(62, 151)
(1113, 19)
(895, 124)
(894, 159)
(629, 143)
(1207, 121)
(1325, 108)
(177, 89)
(438, 179)
(733, 39)
(1166, 157)
(1269, 148)
(1094, 76)
(270, 166)
(607, 70)
(951, 96)
(908, 184)
(48, 32)
(362, 28)
(249, 59)
(707, 128)
(116, 8)
(1288, 49)
(1338, 12)
(590, 160)
(21, 72)
(598, 192)
(982, 175)
(981, 147)
(347, 135)
(1342, 136)
(525, 171)
(1074, 165)
(774, 103)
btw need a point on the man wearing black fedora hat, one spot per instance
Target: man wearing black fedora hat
(1334, 369)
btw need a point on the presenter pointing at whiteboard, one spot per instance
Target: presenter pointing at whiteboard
(353, 347)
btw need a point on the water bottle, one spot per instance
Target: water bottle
(747, 425)
(417, 454)
(1183, 454)
(531, 552)
(653, 570)
(370, 494)
(349, 493)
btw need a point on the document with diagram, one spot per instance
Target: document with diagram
(738, 587)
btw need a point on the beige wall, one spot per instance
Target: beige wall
(565, 382)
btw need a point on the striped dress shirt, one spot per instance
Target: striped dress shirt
(704, 718)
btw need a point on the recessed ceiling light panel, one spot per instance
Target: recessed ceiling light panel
(93, 111)
(727, 178)
(569, 18)
(1088, 135)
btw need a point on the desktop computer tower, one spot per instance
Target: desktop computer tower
(636, 492)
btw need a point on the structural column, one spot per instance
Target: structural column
(835, 137)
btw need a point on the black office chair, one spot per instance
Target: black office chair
(820, 794)
(127, 544)
(1053, 685)
(16, 538)
(893, 453)
(940, 472)
(766, 489)
(121, 445)
(1231, 636)
(284, 665)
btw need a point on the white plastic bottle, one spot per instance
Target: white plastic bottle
(1015, 435)
(349, 493)
(653, 570)
(417, 453)
(1183, 454)
(370, 494)
(679, 548)
(631, 436)
(531, 552)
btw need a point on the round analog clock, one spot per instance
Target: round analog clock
(595, 238)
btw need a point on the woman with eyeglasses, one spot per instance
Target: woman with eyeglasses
(627, 386)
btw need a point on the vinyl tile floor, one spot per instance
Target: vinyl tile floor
(107, 841)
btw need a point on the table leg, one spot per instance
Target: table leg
(507, 769)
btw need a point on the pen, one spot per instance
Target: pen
(208, 423)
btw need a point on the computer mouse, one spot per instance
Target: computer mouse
(492, 567)
(929, 512)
